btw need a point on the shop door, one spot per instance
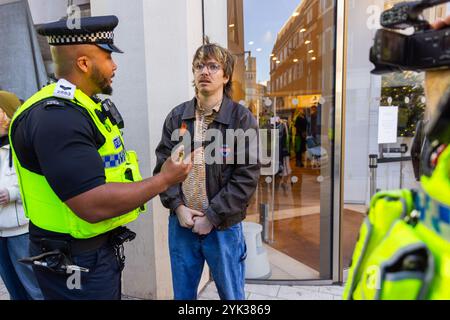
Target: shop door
(285, 74)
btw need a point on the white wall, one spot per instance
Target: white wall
(173, 33)
(216, 21)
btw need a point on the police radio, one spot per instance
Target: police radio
(110, 110)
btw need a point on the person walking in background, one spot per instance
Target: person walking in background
(284, 154)
(301, 127)
(316, 119)
(19, 279)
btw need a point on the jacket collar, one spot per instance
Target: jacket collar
(223, 116)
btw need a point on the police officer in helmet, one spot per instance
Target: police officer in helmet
(80, 185)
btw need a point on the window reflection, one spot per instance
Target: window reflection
(285, 76)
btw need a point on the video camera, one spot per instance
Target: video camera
(425, 49)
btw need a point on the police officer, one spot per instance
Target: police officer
(79, 184)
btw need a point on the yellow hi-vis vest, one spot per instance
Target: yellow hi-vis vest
(43, 207)
(403, 252)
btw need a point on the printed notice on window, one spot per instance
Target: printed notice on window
(387, 125)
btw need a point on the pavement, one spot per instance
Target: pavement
(260, 292)
(278, 292)
(3, 292)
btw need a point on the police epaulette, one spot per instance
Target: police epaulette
(52, 102)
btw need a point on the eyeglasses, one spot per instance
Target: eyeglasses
(212, 67)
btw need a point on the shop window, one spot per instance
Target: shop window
(298, 198)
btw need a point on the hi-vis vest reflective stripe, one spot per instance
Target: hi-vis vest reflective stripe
(41, 204)
(396, 259)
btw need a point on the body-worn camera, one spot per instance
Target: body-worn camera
(425, 49)
(110, 109)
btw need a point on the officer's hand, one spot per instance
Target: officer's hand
(202, 226)
(441, 23)
(177, 167)
(186, 216)
(4, 196)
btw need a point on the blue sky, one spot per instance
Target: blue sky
(262, 21)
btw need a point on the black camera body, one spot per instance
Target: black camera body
(425, 49)
(111, 111)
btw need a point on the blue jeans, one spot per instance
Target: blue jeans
(102, 282)
(19, 279)
(224, 252)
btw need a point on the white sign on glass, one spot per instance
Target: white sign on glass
(387, 125)
(273, 120)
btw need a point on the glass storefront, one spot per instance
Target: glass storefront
(285, 74)
(369, 98)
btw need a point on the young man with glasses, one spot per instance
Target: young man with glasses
(207, 209)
